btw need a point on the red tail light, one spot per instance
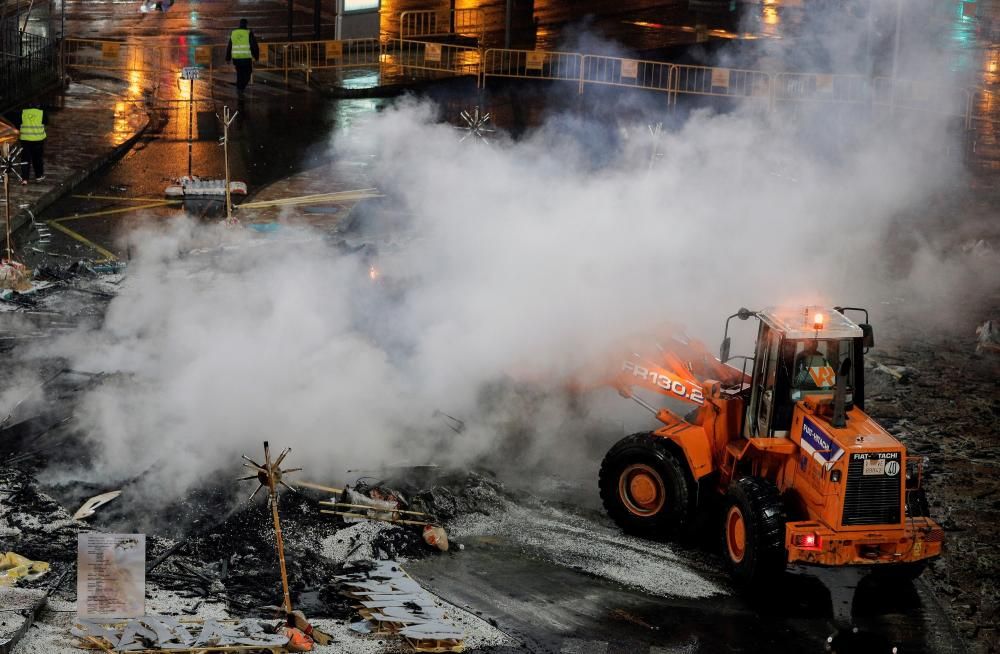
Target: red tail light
(807, 541)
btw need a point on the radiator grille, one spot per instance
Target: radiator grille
(872, 499)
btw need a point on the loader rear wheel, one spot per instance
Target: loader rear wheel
(645, 488)
(753, 530)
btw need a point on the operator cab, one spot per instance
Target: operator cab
(800, 352)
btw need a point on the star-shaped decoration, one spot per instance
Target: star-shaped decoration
(477, 124)
(269, 475)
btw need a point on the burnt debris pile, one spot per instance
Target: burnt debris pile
(213, 547)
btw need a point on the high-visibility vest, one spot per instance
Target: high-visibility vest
(32, 128)
(240, 39)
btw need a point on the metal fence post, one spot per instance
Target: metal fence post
(671, 81)
(772, 92)
(969, 95)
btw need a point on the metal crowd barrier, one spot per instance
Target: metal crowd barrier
(921, 96)
(726, 82)
(630, 73)
(309, 56)
(456, 60)
(97, 54)
(432, 22)
(411, 56)
(157, 60)
(26, 66)
(532, 64)
(807, 87)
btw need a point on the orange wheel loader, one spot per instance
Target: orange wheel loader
(805, 475)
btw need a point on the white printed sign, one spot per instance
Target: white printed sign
(432, 52)
(111, 575)
(630, 68)
(720, 77)
(191, 72)
(534, 60)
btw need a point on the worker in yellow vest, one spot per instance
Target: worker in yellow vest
(243, 51)
(33, 121)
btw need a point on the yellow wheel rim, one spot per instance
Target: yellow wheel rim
(641, 490)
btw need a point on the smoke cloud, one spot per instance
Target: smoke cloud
(515, 263)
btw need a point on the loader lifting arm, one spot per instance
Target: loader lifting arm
(675, 367)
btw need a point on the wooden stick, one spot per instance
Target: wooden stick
(370, 508)
(99, 644)
(307, 484)
(364, 517)
(312, 199)
(277, 527)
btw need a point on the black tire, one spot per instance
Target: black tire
(645, 488)
(753, 531)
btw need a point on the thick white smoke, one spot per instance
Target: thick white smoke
(522, 261)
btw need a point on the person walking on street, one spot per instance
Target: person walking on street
(33, 121)
(243, 51)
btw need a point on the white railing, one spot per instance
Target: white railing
(975, 107)
(431, 23)
(532, 64)
(725, 82)
(445, 58)
(630, 73)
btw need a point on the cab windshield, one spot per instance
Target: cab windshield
(815, 363)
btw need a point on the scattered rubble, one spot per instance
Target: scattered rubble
(392, 603)
(989, 337)
(165, 632)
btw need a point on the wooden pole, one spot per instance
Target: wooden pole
(6, 196)
(365, 517)
(190, 123)
(271, 486)
(369, 508)
(309, 484)
(225, 148)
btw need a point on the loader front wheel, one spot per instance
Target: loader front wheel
(753, 530)
(645, 489)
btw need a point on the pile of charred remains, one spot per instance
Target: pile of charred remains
(275, 561)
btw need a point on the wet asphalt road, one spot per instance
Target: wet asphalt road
(553, 608)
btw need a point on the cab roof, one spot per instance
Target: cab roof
(800, 322)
